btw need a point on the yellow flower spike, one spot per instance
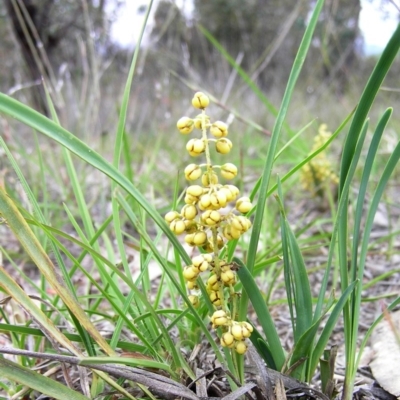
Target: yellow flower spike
(195, 147)
(209, 178)
(195, 190)
(214, 298)
(219, 129)
(192, 172)
(223, 146)
(190, 273)
(185, 125)
(211, 217)
(194, 300)
(201, 263)
(229, 171)
(227, 340)
(220, 318)
(240, 347)
(177, 226)
(189, 211)
(198, 121)
(243, 205)
(200, 100)
(171, 216)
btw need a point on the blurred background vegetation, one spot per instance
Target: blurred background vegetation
(69, 43)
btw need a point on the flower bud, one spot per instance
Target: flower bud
(213, 283)
(190, 273)
(223, 146)
(200, 263)
(200, 100)
(189, 211)
(241, 330)
(228, 171)
(208, 257)
(207, 247)
(211, 217)
(177, 226)
(242, 224)
(198, 238)
(227, 340)
(231, 233)
(191, 285)
(192, 172)
(228, 277)
(189, 199)
(218, 199)
(219, 318)
(220, 243)
(219, 129)
(205, 202)
(191, 226)
(194, 190)
(195, 147)
(185, 125)
(209, 178)
(233, 190)
(198, 121)
(214, 298)
(243, 205)
(240, 347)
(194, 300)
(171, 216)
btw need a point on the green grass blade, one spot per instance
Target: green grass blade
(263, 314)
(369, 161)
(366, 100)
(296, 276)
(294, 74)
(389, 168)
(266, 174)
(328, 329)
(38, 382)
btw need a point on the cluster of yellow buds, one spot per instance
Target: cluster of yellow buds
(207, 219)
(235, 333)
(318, 171)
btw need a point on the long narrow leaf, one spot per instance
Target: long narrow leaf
(366, 100)
(262, 312)
(38, 382)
